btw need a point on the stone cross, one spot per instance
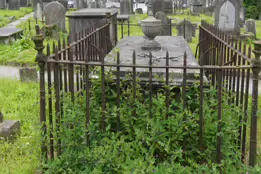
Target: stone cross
(54, 13)
(251, 26)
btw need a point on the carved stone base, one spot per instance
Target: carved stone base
(150, 44)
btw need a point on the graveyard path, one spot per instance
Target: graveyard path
(19, 21)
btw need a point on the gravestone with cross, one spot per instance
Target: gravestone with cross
(227, 15)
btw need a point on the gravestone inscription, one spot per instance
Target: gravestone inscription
(54, 14)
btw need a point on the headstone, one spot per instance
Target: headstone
(81, 4)
(196, 7)
(227, 15)
(251, 26)
(260, 16)
(8, 128)
(168, 6)
(194, 29)
(125, 7)
(28, 74)
(242, 14)
(38, 12)
(166, 23)
(23, 3)
(13, 4)
(2, 4)
(157, 5)
(54, 14)
(139, 11)
(185, 29)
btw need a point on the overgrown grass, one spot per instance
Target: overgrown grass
(6, 14)
(20, 101)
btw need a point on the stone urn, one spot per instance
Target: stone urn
(151, 28)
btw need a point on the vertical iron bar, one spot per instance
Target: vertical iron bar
(201, 119)
(134, 84)
(184, 85)
(150, 85)
(167, 85)
(118, 91)
(103, 93)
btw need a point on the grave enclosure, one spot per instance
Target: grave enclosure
(170, 56)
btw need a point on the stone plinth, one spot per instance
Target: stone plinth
(93, 18)
(176, 46)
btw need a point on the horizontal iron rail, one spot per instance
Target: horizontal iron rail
(147, 66)
(229, 46)
(78, 41)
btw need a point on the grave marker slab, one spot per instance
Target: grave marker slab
(251, 26)
(227, 15)
(168, 6)
(8, 128)
(54, 14)
(38, 12)
(28, 74)
(166, 23)
(185, 29)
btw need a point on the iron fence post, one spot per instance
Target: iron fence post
(41, 59)
(256, 67)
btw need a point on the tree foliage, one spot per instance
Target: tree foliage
(253, 8)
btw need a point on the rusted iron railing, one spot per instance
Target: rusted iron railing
(225, 62)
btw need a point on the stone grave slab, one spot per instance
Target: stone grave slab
(23, 3)
(175, 45)
(168, 8)
(8, 35)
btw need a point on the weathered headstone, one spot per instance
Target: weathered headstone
(23, 3)
(81, 4)
(166, 23)
(242, 14)
(28, 74)
(2, 4)
(54, 14)
(168, 6)
(227, 15)
(13, 5)
(157, 5)
(251, 26)
(8, 128)
(125, 7)
(196, 7)
(185, 29)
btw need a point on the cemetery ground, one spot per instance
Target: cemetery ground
(8, 16)
(20, 101)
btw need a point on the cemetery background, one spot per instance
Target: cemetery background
(28, 145)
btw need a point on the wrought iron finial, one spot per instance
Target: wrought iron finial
(39, 46)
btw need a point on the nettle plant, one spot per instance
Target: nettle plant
(141, 144)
